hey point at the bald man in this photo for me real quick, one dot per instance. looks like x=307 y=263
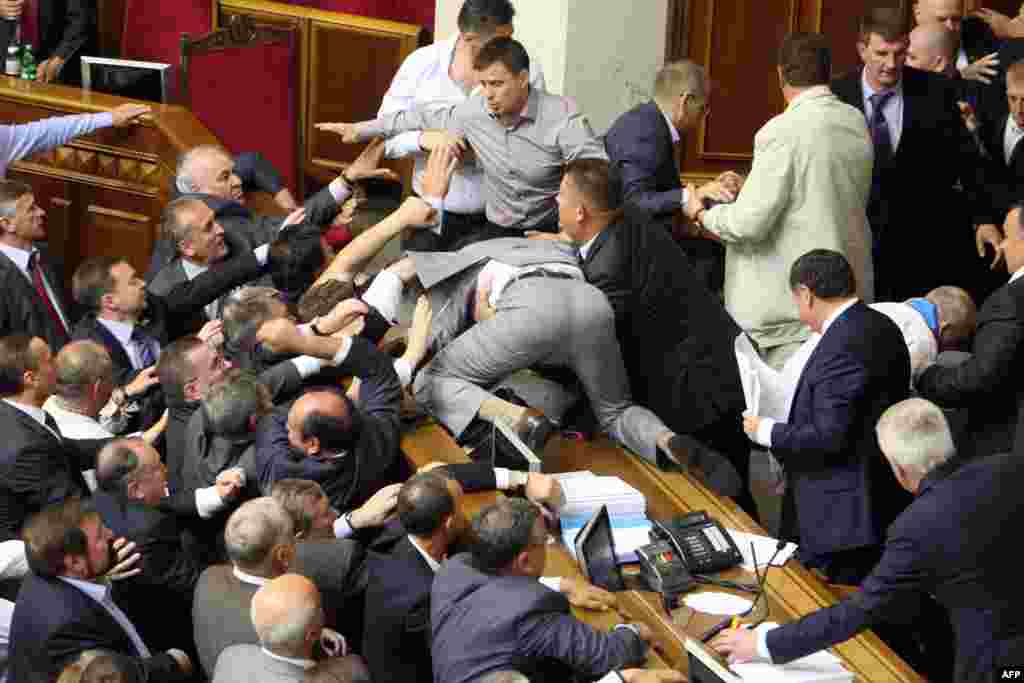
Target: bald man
x=933 y=48
x=976 y=56
x=289 y=620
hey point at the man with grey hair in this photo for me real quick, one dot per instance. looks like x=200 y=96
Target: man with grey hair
x=950 y=542
x=260 y=542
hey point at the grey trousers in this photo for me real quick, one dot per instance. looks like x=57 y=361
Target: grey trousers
x=540 y=321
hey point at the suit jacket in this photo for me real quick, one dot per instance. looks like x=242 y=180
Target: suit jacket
x=482 y=623
x=67 y=29
x=935 y=154
x=37 y=468
x=1005 y=177
x=844 y=493
x=677 y=339
x=338 y=568
x=396 y=639
x=248 y=663
x=220 y=614
x=950 y=542
x=986 y=383
x=806 y=190
x=22 y=310
x=54 y=622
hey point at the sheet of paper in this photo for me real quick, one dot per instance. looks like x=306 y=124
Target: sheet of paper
x=717 y=603
x=764 y=547
x=628 y=531
x=818 y=667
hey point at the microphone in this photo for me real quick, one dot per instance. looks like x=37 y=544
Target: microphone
x=761 y=578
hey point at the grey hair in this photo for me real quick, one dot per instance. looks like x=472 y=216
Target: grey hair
x=914 y=434
x=676 y=78
x=184 y=180
x=254 y=529
x=231 y=401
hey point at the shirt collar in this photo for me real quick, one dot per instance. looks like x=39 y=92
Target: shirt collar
x=38 y=414
x=192 y=270
x=586 y=246
x=1016 y=275
x=100 y=592
x=835 y=315
x=810 y=94
x=249 y=578
x=937 y=474
x=529 y=112
x=431 y=562
x=671 y=127
x=868 y=91
x=301 y=663
x=21 y=256
x=123 y=331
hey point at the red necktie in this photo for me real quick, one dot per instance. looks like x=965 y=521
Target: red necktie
x=34 y=267
x=30 y=24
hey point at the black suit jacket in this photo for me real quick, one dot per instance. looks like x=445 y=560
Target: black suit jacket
x=843 y=491
x=37 y=468
x=67 y=29
x=987 y=383
x=54 y=622
x=338 y=568
x=914 y=202
x=677 y=338
x=950 y=542
x=396 y=639
x=21 y=309
x=1006 y=178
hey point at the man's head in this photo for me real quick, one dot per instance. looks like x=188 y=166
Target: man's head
x=208 y=169
x=287 y=616
x=430 y=507
x=68 y=539
x=481 y=20
x=504 y=69
x=27 y=371
x=193 y=228
x=820 y=280
x=915 y=438
x=585 y=202
x=110 y=286
x=1013 y=242
x=882 y=46
x=321 y=299
x=1015 y=92
x=681 y=91
x=247 y=309
x=235 y=403
x=131 y=468
x=22 y=221
x=260 y=538
x=805 y=61
x=322 y=424
x=958 y=316
x=187 y=368
x=308 y=506
x=300 y=254
x=85 y=376
x=510 y=538
x=946 y=13
x=932 y=48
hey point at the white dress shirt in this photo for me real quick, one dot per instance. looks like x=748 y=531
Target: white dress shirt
x=1011 y=137
x=301 y=663
x=1016 y=276
x=100 y=593
x=123 y=333
x=962 y=61
x=498 y=276
x=422 y=79
x=893 y=110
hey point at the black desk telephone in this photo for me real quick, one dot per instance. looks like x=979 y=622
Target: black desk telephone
x=701 y=542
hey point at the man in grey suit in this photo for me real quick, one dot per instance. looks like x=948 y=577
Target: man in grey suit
x=287 y=615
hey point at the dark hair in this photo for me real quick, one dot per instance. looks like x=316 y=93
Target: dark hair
x=485 y=16
x=423 y=503
x=13 y=190
x=805 y=60
x=321 y=299
x=54 y=533
x=232 y=400
x=298 y=258
x=593 y=178
x=1019 y=205
x=825 y=272
x=117 y=466
x=92 y=280
x=16 y=359
x=888 y=22
x=337 y=433
x=509 y=52
x=503 y=530
x=174 y=368
x=293 y=495
x=245 y=311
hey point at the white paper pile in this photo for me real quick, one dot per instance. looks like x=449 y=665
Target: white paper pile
x=586 y=492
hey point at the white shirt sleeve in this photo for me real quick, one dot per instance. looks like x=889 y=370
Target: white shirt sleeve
x=764 y=432
x=401 y=96
x=762 y=645
x=552 y=582
x=208 y=502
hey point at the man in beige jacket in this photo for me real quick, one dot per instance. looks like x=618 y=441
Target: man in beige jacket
x=808 y=189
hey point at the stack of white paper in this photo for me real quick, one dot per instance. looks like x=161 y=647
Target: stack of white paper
x=818 y=667
x=585 y=493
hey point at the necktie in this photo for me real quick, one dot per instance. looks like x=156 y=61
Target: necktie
x=30 y=24
x=35 y=269
x=879 y=127
x=146 y=346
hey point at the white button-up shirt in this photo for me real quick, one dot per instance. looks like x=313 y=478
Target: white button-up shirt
x=892 y=110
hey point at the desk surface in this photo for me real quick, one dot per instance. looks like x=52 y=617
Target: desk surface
x=790 y=591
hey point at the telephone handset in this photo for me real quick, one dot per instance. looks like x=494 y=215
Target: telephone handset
x=703 y=544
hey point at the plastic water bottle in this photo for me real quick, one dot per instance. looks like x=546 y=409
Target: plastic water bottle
x=28 y=63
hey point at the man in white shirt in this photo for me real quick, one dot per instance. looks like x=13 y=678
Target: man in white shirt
x=442 y=74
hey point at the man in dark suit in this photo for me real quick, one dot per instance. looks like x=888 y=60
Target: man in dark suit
x=642 y=145
x=64 y=606
x=950 y=542
x=986 y=383
x=839 y=496
x=37 y=465
x=490 y=613
x=1001 y=136
x=921 y=148
x=60 y=32
x=677 y=338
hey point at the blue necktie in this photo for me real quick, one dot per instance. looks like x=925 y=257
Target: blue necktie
x=146 y=346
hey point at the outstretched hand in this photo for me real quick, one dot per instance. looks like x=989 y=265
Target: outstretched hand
x=367 y=164
x=349 y=132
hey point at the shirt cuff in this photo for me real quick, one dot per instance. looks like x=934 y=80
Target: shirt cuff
x=552 y=582
x=208 y=502
x=104 y=119
x=385 y=294
x=436 y=203
x=612 y=677
x=403 y=145
x=340 y=190
x=261 y=252
x=404 y=372
x=505 y=479
x=762 y=645
x=684 y=197
x=764 y=432
x=308 y=366
x=342 y=354
x=342 y=529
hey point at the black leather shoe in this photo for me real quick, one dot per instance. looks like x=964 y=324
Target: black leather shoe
x=710 y=467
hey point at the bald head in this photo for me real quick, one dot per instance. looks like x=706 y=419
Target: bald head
x=932 y=48
x=287 y=616
x=84 y=376
x=322 y=422
x=947 y=13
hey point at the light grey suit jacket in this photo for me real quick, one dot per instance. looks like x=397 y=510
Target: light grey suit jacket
x=249 y=664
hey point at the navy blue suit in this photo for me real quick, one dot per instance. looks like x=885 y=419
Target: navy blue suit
x=955 y=541
x=841 y=494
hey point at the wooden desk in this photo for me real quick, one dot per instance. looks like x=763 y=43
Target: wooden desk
x=790 y=591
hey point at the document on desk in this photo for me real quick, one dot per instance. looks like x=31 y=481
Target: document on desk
x=764 y=547
x=586 y=492
x=629 y=532
x=819 y=667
